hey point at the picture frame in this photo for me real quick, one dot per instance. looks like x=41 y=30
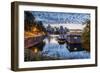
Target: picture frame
x=46 y=20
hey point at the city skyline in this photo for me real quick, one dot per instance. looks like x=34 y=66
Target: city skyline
x=69 y=26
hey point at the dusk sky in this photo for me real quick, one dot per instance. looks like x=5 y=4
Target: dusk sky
x=60 y=17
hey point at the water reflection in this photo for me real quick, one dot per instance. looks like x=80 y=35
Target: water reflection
x=50 y=49
x=53 y=49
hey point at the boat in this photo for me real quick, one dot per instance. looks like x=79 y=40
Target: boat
x=74 y=42
x=61 y=40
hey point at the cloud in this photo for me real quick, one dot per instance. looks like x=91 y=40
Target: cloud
x=60 y=17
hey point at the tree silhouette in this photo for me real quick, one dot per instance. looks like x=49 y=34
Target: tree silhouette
x=30 y=22
x=86 y=36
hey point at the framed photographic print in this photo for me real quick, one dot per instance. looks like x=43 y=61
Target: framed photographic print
x=52 y=36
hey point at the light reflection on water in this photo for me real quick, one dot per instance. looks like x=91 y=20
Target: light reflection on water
x=53 y=49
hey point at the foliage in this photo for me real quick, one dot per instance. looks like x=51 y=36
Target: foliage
x=30 y=22
x=86 y=36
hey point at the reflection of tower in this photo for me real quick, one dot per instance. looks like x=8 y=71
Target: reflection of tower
x=49 y=39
